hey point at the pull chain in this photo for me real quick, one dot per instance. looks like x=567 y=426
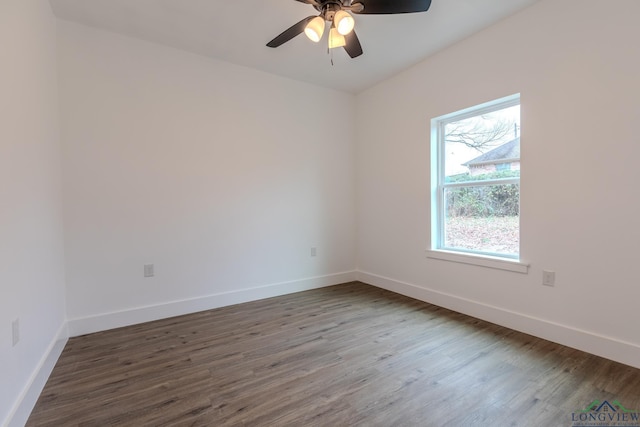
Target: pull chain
x=330 y=53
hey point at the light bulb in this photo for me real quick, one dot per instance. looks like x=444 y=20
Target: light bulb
x=336 y=39
x=344 y=22
x=315 y=29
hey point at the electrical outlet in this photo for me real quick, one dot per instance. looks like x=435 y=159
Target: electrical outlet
x=314 y=251
x=548 y=278
x=15 y=332
x=148 y=270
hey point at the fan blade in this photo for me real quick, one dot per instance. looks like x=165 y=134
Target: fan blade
x=353 y=47
x=290 y=32
x=382 y=7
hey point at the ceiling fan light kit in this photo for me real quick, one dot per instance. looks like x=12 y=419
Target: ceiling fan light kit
x=342 y=22
x=315 y=29
x=336 y=39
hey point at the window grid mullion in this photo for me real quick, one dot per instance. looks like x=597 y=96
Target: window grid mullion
x=500 y=181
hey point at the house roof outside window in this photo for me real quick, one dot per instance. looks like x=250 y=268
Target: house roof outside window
x=507 y=152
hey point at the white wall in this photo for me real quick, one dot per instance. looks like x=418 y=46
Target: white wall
x=576 y=64
x=31 y=242
x=222 y=176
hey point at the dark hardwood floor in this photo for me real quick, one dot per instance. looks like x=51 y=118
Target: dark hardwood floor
x=339 y=356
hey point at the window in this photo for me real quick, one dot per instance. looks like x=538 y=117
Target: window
x=476 y=181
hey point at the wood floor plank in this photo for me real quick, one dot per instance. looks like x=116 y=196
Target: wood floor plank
x=344 y=355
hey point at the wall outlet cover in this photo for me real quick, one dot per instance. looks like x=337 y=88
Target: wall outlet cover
x=148 y=270
x=549 y=278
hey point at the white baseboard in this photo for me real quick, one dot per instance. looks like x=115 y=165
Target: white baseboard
x=31 y=392
x=603 y=346
x=102 y=322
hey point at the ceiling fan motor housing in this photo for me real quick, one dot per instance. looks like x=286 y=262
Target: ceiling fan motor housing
x=329 y=9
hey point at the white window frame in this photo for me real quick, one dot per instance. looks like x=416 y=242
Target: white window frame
x=438 y=186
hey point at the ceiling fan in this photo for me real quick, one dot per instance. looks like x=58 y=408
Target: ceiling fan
x=336 y=12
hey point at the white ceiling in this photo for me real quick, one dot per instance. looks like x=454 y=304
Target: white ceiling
x=237 y=31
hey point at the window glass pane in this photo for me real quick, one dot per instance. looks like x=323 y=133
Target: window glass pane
x=483 y=219
x=483 y=146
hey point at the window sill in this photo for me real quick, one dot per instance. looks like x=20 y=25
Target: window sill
x=480 y=260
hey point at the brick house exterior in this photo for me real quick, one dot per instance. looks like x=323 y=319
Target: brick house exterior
x=503 y=157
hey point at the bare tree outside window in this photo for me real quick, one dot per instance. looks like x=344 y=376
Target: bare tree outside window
x=481 y=132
